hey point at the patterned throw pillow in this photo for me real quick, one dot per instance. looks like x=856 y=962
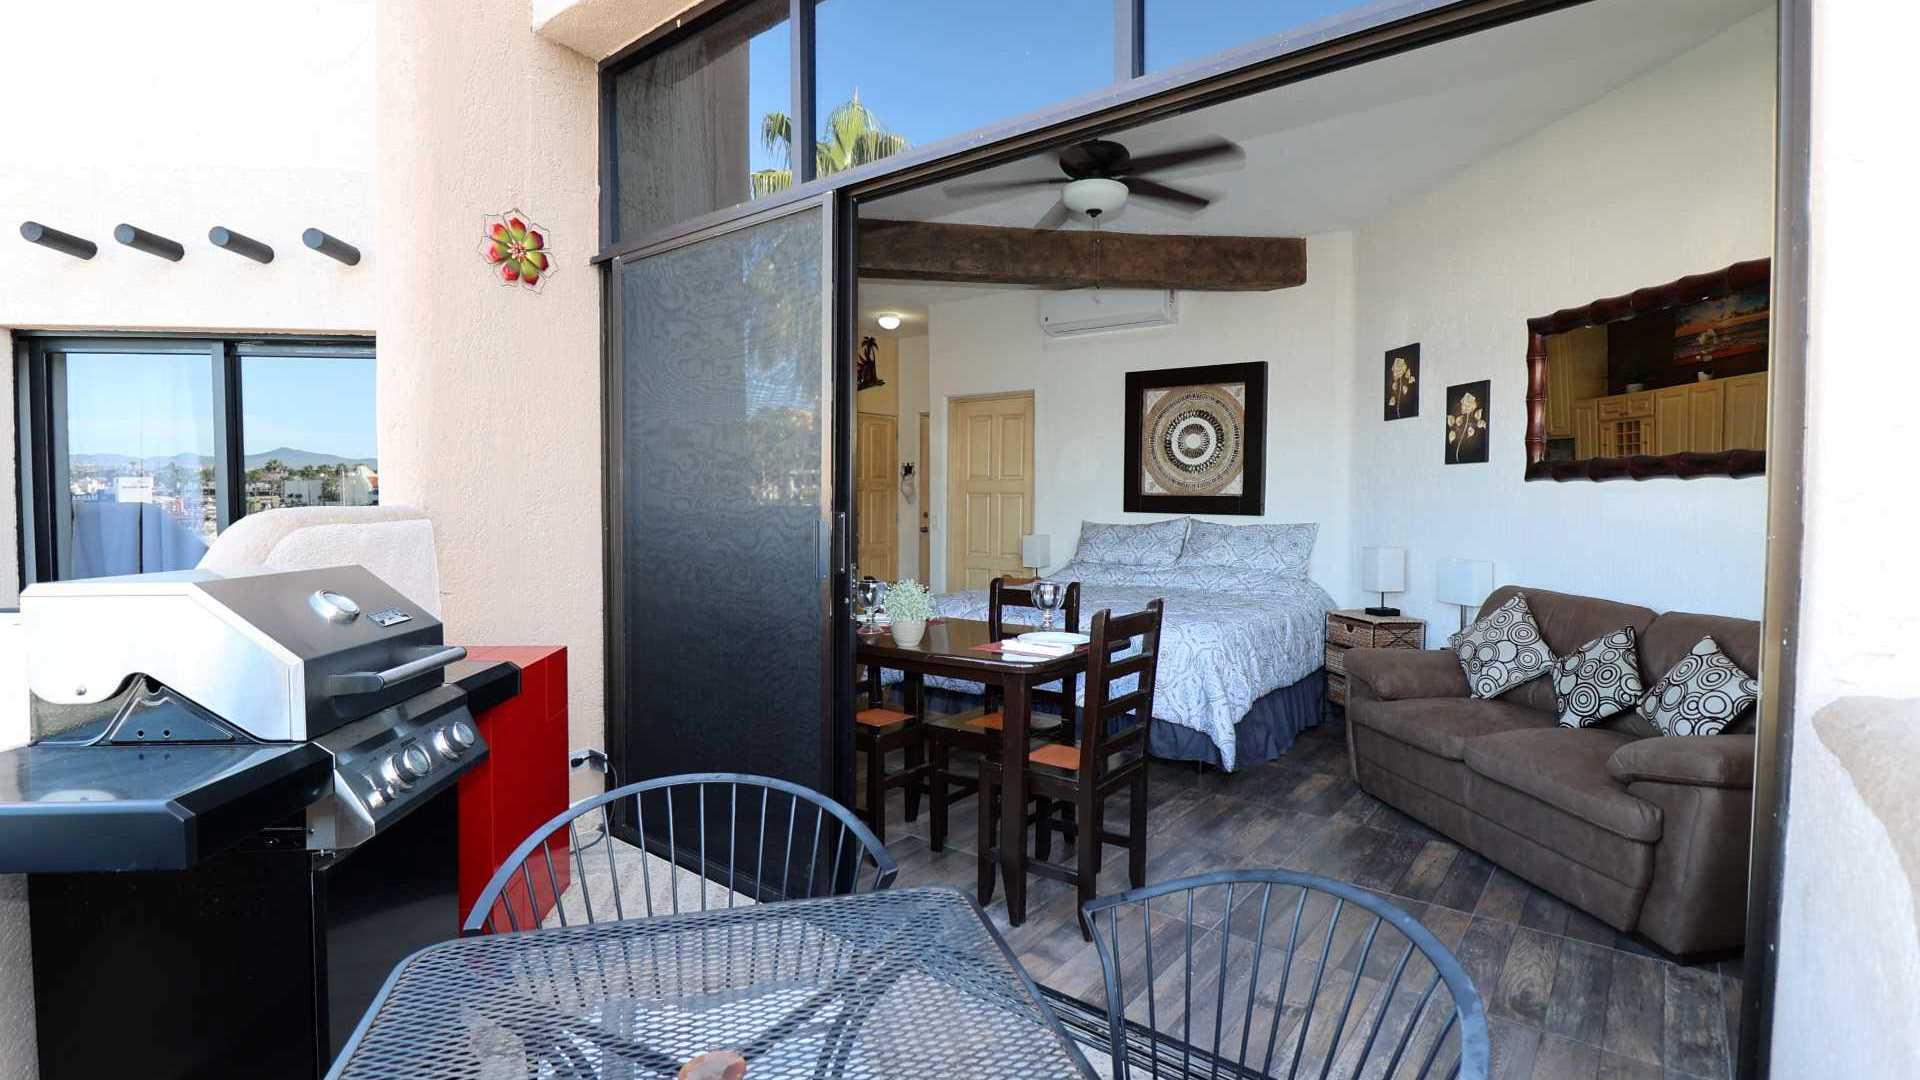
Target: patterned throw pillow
x=1154 y=544
x=1598 y=680
x=1502 y=650
x=1282 y=550
x=1701 y=695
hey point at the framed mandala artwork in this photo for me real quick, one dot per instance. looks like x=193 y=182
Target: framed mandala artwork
x=1197 y=440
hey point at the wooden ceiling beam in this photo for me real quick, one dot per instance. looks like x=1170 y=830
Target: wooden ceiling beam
x=1078 y=258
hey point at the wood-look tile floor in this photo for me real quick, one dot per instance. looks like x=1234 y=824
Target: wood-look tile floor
x=1567 y=997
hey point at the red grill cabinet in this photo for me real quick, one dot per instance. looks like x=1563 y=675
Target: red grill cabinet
x=523 y=781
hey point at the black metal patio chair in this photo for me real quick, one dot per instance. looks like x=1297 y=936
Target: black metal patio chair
x=753 y=836
x=1260 y=973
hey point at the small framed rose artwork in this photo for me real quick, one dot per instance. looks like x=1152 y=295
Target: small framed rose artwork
x=1403 y=382
x=1467 y=436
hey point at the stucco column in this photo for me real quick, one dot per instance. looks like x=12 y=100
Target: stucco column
x=489 y=394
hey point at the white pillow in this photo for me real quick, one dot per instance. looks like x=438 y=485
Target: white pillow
x=1280 y=549
x=1156 y=543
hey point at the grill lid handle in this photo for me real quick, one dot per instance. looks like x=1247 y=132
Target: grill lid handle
x=372 y=682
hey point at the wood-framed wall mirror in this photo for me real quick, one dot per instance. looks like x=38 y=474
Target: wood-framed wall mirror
x=1667 y=381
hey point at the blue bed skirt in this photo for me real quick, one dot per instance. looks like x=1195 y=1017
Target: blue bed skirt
x=1265 y=734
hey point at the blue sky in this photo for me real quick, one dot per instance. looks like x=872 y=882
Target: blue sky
x=160 y=405
x=928 y=74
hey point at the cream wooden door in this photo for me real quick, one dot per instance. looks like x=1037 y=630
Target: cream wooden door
x=989 y=487
x=1670 y=420
x=1706 y=416
x=1747 y=412
x=876 y=486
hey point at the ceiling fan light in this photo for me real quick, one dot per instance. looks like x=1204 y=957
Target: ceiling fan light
x=1095 y=196
x=888 y=321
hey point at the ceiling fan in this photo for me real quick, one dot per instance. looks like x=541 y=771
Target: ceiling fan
x=1100 y=174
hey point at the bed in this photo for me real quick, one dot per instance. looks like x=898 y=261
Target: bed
x=1242 y=645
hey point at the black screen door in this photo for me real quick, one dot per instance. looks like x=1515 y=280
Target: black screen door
x=726 y=452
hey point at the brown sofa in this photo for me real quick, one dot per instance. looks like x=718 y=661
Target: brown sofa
x=1648 y=833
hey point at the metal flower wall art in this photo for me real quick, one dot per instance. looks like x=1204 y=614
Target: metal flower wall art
x=517 y=250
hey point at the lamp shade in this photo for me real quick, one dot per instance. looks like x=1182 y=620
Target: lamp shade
x=1383 y=569
x=1036 y=550
x=1465 y=582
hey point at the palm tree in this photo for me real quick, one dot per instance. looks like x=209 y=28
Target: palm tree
x=854 y=137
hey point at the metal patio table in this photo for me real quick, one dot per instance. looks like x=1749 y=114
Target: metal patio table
x=902 y=983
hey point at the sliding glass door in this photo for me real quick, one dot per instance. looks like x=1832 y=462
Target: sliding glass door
x=726 y=504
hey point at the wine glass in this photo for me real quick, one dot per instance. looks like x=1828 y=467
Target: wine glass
x=869 y=592
x=1047 y=596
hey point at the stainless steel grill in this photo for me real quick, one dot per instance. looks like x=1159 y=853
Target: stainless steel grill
x=329 y=666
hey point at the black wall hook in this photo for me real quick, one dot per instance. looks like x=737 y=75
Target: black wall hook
x=153 y=244
x=223 y=237
x=331 y=247
x=35 y=233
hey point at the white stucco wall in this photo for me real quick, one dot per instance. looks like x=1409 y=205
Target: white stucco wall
x=1668 y=175
x=1849 y=983
x=490 y=395
x=993 y=343
x=175 y=118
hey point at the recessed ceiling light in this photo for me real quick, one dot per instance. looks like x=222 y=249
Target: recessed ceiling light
x=889 y=321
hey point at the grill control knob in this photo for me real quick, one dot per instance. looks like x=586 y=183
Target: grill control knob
x=415 y=762
x=455 y=739
x=390 y=772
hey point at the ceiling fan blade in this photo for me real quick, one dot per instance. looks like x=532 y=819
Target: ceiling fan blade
x=979 y=187
x=1210 y=149
x=1149 y=189
x=1055 y=216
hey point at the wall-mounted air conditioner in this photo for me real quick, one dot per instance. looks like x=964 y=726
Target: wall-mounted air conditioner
x=1093 y=311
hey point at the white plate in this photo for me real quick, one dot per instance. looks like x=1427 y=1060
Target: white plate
x=1054 y=637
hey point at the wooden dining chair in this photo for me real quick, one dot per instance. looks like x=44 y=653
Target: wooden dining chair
x=877 y=732
x=978 y=731
x=1111 y=755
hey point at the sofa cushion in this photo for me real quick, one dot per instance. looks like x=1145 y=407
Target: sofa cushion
x=1443 y=726
x=1566 y=770
x=1726 y=762
x=1599 y=680
x=1566 y=621
x=1398 y=674
x=1502 y=649
x=1702 y=693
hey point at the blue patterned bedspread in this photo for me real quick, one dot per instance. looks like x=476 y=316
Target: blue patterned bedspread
x=1220 y=648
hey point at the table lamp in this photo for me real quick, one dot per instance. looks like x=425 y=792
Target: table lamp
x=1383 y=570
x=1036 y=551
x=1465 y=582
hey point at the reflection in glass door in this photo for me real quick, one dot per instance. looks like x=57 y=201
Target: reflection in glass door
x=139 y=462
x=724 y=495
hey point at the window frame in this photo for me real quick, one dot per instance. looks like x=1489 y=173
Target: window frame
x=44 y=542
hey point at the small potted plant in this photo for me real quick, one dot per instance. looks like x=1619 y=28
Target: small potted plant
x=909 y=605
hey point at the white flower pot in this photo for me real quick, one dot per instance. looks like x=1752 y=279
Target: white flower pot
x=908 y=632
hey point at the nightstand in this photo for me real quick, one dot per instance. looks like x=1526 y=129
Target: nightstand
x=1352 y=628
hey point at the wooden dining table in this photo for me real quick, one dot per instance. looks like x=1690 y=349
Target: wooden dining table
x=952 y=648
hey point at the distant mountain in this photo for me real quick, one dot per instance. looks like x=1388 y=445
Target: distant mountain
x=300 y=459
x=149 y=464
x=286 y=455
